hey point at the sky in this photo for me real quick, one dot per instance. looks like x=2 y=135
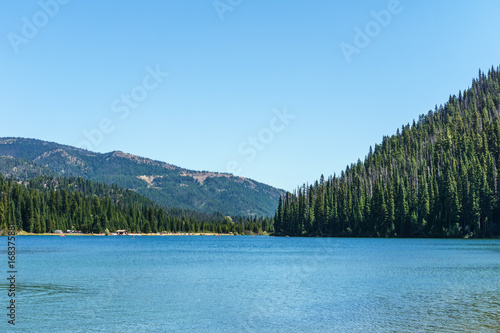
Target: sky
x=277 y=91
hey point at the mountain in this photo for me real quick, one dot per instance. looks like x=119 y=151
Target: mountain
x=166 y=184
x=435 y=178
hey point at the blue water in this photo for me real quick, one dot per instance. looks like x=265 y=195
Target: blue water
x=253 y=284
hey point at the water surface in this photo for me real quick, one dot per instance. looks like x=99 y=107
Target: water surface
x=254 y=284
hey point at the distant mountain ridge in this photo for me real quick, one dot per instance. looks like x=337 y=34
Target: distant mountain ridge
x=164 y=183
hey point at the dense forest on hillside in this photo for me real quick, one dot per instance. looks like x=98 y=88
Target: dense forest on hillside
x=435 y=178
x=45 y=204
x=24 y=169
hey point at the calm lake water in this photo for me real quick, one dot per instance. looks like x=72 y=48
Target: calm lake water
x=253 y=284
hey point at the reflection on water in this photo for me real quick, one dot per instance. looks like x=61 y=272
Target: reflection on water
x=253 y=284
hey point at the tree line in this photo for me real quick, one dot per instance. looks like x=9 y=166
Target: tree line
x=435 y=178
x=46 y=203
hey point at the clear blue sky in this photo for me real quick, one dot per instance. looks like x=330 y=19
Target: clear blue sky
x=227 y=76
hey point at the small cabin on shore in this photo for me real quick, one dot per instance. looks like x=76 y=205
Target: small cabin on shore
x=121 y=232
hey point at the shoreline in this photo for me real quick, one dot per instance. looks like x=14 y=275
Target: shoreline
x=23 y=233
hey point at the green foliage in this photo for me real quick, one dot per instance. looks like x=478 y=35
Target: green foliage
x=435 y=178
x=45 y=204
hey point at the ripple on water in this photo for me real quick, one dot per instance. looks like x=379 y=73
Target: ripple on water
x=41 y=290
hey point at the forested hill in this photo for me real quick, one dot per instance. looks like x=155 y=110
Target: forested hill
x=45 y=204
x=166 y=184
x=435 y=178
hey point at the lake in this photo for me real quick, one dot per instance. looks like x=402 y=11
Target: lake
x=252 y=284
